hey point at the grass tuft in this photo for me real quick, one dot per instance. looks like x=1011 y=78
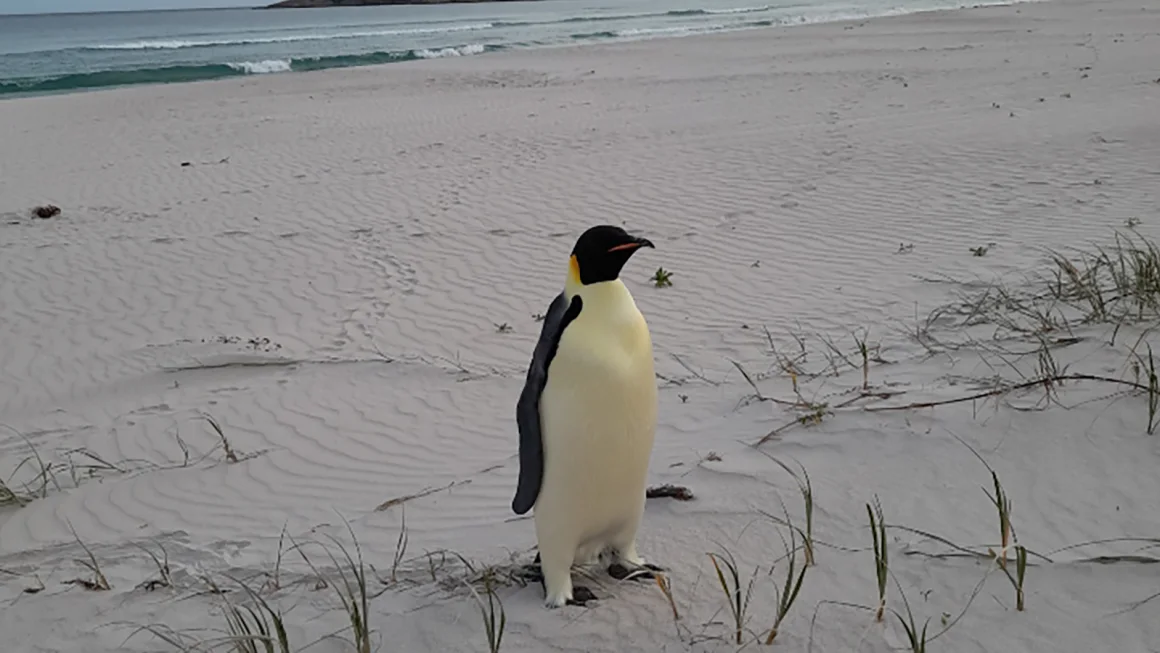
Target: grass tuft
x=737 y=599
x=788 y=592
x=494 y=617
x=352 y=591
x=164 y=579
x=98 y=582
x=257 y=629
x=915 y=636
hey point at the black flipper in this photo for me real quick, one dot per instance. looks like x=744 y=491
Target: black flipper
x=560 y=314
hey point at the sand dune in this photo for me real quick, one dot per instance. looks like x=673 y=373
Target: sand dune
x=345 y=278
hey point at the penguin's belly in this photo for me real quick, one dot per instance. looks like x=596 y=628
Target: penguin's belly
x=598 y=413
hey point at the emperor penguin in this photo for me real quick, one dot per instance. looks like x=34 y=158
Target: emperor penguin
x=587 y=418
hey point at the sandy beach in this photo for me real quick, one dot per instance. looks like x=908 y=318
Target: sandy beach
x=342 y=272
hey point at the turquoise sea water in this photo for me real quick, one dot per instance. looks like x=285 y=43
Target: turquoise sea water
x=63 y=52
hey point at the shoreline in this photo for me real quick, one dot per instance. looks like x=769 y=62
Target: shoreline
x=244 y=70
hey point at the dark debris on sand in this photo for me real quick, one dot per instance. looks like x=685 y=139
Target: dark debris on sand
x=678 y=492
x=47 y=211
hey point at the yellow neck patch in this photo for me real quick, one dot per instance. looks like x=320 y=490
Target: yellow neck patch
x=572 y=284
x=574 y=270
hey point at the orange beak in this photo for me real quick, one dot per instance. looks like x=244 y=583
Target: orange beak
x=640 y=242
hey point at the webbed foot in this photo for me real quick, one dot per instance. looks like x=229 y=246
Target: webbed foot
x=620 y=571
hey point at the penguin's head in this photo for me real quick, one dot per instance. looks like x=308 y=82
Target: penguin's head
x=601 y=252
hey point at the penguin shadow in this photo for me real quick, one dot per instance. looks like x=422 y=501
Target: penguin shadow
x=581 y=595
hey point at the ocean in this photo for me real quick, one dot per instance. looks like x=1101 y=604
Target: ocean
x=52 y=53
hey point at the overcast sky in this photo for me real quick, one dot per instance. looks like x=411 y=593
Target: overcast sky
x=47 y=6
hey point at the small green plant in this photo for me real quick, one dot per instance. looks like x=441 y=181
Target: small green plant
x=881 y=560
x=662 y=278
x=494 y=617
x=981 y=250
x=1003 y=505
x=815 y=414
x=915 y=636
x=731 y=586
x=1007 y=536
x=503 y=328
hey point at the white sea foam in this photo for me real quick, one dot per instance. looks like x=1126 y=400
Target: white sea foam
x=460 y=51
x=740 y=10
x=177 y=44
x=261 y=67
x=646 y=32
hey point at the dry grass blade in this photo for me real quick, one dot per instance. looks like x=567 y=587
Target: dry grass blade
x=231 y=455
x=274 y=581
x=666 y=587
x=391 y=503
x=400 y=547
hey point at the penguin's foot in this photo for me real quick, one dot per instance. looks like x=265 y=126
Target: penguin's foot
x=581 y=596
x=532 y=573
x=620 y=571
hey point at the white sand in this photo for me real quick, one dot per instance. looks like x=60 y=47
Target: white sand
x=410 y=209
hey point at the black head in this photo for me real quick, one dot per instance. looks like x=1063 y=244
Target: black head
x=602 y=251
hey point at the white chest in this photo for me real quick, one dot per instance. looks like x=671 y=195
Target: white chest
x=601 y=395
